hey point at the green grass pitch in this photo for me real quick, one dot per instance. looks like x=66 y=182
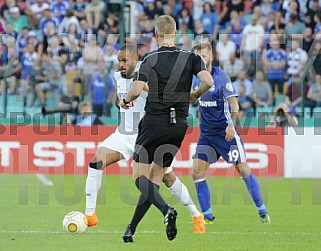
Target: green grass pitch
x=31 y=216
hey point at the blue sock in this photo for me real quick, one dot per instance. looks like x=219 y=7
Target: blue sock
x=203 y=195
x=254 y=189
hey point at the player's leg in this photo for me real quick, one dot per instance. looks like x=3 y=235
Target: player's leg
x=200 y=167
x=179 y=190
x=233 y=152
x=103 y=157
x=149 y=195
x=254 y=190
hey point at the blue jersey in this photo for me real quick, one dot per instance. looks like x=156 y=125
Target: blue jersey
x=214 y=107
x=276 y=57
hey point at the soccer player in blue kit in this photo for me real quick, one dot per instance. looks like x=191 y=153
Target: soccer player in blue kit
x=219 y=138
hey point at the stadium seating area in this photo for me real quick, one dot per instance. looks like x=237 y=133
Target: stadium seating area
x=266 y=46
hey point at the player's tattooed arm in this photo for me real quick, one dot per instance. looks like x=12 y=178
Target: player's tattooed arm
x=230 y=129
x=234 y=108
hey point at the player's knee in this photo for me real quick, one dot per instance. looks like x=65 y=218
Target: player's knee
x=99 y=165
x=243 y=169
x=198 y=174
x=169 y=179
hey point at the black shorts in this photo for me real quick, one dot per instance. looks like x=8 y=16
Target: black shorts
x=158 y=142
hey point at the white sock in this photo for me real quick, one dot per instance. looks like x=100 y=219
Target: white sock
x=181 y=193
x=93 y=184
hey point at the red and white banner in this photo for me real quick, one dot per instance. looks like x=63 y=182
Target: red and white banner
x=68 y=150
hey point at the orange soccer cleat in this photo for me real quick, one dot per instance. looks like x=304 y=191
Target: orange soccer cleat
x=199 y=226
x=92 y=220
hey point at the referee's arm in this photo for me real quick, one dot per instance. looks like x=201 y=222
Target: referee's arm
x=206 y=83
x=135 y=90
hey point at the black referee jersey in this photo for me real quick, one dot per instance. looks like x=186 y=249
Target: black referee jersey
x=168 y=72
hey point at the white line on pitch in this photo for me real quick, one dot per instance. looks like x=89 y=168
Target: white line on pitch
x=46 y=181
x=158 y=232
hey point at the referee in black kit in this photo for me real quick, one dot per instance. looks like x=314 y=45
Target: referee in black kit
x=167 y=75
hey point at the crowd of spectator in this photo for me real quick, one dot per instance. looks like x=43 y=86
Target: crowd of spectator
x=264 y=46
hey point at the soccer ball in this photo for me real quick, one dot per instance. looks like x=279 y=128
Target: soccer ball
x=74 y=223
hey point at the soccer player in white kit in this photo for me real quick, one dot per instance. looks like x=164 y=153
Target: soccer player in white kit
x=120 y=145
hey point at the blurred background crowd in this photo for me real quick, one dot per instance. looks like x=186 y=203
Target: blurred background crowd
x=57 y=53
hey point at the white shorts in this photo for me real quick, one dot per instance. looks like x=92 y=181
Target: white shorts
x=122 y=143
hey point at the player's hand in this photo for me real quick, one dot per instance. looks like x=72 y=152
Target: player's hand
x=192 y=98
x=230 y=132
x=123 y=105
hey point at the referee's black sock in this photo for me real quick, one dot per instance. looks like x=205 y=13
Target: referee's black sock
x=141 y=209
x=150 y=191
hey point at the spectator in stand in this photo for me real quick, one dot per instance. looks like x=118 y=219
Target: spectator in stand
x=279 y=24
x=293 y=29
x=101 y=91
x=184 y=35
x=46 y=19
x=10 y=68
x=176 y=6
x=266 y=8
x=27 y=61
x=69 y=101
x=296 y=60
x=262 y=92
x=234 y=20
x=224 y=48
x=209 y=20
x=10 y=33
x=35 y=12
x=314 y=93
x=58 y=9
x=86 y=32
x=6 y=7
x=79 y=8
x=237 y=5
x=69 y=19
x=257 y=12
x=52 y=75
x=317 y=27
x=245 y=102
x=94 y=14
x=18 y=21
x=243 y=80
x=86 y=116
x=274 y=61
x=92 y=54
x=185 y=17
x=233 y=67
x=309 y=19
x=199 y=32
x=150 y=9
x=36 y=76
x=307 y=39
x=49 y=32
x=292 y=9
x=236 y=35
x=159 y=8
x=252 y=44
x=293 y=96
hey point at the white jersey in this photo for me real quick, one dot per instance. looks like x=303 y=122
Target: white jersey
x=129 y=119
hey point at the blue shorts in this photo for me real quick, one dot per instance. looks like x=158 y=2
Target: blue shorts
x=211 y=147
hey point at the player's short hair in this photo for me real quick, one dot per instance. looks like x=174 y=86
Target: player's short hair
x=165 y=25
x=131 y=48
x=201 y=46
